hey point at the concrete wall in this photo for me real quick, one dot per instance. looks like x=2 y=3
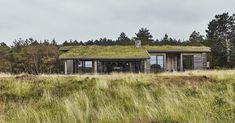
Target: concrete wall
x=68 y=64
x=147 y=66
x=171 y=62
x=198 y=62
x=204 y=60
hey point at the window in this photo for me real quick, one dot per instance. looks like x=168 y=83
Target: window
x=88 y=64
x=85 y=67
x=157 y=63
x=160 y=61
x=188 y=62
x=153 y=60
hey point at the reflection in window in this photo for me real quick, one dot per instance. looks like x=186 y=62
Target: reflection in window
x=85 y=67
x=88 y=64
x=157 y=63
x=188 y=62
x=153 y=60
x=160 y=61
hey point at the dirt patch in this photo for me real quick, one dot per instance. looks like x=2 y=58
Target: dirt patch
x=182 y=80
x=25 y=77
x=29 y=78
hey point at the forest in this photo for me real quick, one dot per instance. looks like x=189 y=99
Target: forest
x=42 y=57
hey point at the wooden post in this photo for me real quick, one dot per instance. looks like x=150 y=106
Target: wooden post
x=131 y=70
x=65 y=68
x=176 y=63
x=145 y=66
x=181 y=62
x=95 y=66
x=164 y=62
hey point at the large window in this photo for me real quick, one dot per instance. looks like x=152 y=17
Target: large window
x=88 y=66
x=153 y=60
x=188 y=62
x=160 y=61
x=157 y=63
x=85 y=67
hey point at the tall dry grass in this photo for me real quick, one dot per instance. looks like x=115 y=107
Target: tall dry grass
x=193 y=96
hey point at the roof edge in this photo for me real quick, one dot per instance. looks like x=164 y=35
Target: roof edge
x=176 y=51
x=100 y=58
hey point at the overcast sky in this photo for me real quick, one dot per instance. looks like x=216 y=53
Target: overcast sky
x=93 y=19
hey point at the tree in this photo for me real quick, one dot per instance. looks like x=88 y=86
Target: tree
x=90 y=42
x=53 y=42
x=196 y=39
x=75 y=42
x=165 y=39
x=123 y=39
x=5 y=65
x=66 y=43
x=37 y=59
x=220 y=37
x=3 y=44
x=168 y=41
x=145 y=37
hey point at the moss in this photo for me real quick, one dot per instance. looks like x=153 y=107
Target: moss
x=177 y=48
x=105 y=52
x=121 y=51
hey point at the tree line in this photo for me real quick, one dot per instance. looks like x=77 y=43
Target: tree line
x=195 y=39
x=36 y=57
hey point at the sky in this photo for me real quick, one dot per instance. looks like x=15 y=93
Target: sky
x=93 y=19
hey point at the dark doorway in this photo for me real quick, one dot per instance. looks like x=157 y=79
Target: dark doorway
x=119 y=66
x=188 y=62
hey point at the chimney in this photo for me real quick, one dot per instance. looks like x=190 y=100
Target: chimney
x=138 y=43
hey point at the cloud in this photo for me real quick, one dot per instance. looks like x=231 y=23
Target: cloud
x=92 y=19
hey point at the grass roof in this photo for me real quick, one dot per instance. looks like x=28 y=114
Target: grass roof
x=178 y=48
x=123 y=52
x=105 y=52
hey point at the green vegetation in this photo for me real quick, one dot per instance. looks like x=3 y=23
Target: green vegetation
x=197 y=96
x=122 y=51
x=105 y=52
x=178 y=48
x=4 y=56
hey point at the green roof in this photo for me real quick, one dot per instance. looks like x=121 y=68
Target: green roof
x=123 y=52
x=105 y=52
x=167 y=48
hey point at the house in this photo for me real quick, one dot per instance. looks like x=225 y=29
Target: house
x=107 y=59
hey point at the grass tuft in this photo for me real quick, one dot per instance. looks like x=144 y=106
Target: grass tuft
x=194 y=96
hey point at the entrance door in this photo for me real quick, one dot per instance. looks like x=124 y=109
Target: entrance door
x=188 y=62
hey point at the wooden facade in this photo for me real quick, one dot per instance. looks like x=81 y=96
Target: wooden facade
x=170 y=61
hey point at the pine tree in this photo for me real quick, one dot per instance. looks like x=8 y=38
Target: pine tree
x=220 y=34
x=123 y=39
x=196 y=39
x=145 y=37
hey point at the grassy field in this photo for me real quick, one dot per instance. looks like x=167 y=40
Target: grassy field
x=196 y=96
